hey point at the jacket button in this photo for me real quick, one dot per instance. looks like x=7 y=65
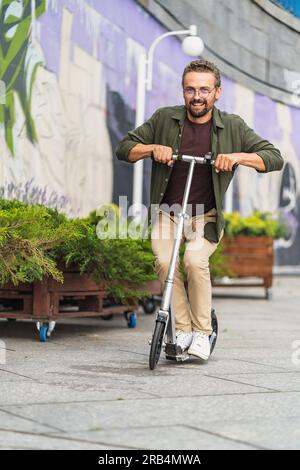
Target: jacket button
x=166 y=179
x=161 y=194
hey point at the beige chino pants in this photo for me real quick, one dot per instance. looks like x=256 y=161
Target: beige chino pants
x=192 y=308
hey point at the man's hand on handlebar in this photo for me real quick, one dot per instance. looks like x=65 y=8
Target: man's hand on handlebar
x=226 y=161
x=163 y=154
x=223 y=162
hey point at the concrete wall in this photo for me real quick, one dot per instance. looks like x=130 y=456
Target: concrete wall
x=254 y=42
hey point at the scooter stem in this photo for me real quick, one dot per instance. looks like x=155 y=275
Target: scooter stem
x=166 y=300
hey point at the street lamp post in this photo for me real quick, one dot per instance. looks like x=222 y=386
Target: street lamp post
x=192 y=45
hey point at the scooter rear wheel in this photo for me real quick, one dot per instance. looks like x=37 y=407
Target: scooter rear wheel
x=214 y=325
x=156 y=344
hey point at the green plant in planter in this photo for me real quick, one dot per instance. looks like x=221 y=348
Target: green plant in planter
x=257 y=224
x=35 y=240
x=27 y=234
x=217 y=262
x=122 y=266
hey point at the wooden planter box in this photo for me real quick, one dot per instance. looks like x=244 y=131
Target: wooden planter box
x=42 y=300
x=49 y=300
x=78 y=296
x=249 y=257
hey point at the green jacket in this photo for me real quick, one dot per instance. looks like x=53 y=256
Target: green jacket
x=230 y=134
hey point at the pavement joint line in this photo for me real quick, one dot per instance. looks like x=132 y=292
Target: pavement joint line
x=122 y=428
x=19 y=375
x=134 y=352
x=260 y=364
x=69 y=439
x=18 y=448
x=111 y=375
x=244 y=383
x=145 y=398
x=41 y=382
x=195 y=428
x=215 y=434
x=7 y=349
x=195 y=368
x=31 y=420
x=161 y=426
x=261 y=373
x=246 y=348
x=151 y=394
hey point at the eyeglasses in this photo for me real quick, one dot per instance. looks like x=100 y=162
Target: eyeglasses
x=203 y=91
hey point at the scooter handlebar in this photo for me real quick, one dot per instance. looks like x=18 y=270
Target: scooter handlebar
x=206 y=159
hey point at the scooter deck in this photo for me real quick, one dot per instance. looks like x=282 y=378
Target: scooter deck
x=174 y=353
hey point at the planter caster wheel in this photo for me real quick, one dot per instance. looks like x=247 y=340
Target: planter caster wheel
x=148 y=305
x=43 y=333
x=268 y=293
x=107 y=317
x=45 y=330
x=131 y=319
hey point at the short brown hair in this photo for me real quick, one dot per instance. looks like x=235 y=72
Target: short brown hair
x=203 y=66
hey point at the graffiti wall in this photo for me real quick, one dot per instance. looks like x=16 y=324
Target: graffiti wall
x=69 y=70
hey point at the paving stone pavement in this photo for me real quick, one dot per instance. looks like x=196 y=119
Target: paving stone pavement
x=90 y=387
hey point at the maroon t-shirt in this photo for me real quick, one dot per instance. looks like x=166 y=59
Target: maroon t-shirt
x=196 y=141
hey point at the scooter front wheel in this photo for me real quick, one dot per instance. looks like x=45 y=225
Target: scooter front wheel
x=214 y=336
x=156 y=344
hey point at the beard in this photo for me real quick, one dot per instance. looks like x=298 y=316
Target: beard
x=195 y=112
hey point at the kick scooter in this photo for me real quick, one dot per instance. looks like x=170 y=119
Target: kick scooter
x=165 y=324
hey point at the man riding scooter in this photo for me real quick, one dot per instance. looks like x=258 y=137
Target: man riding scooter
x=195 y=128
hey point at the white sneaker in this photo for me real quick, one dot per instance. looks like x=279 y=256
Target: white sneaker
x=184 y=339
x=200 y=346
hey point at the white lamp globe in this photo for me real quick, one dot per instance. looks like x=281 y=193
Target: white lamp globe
x=192 y=45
